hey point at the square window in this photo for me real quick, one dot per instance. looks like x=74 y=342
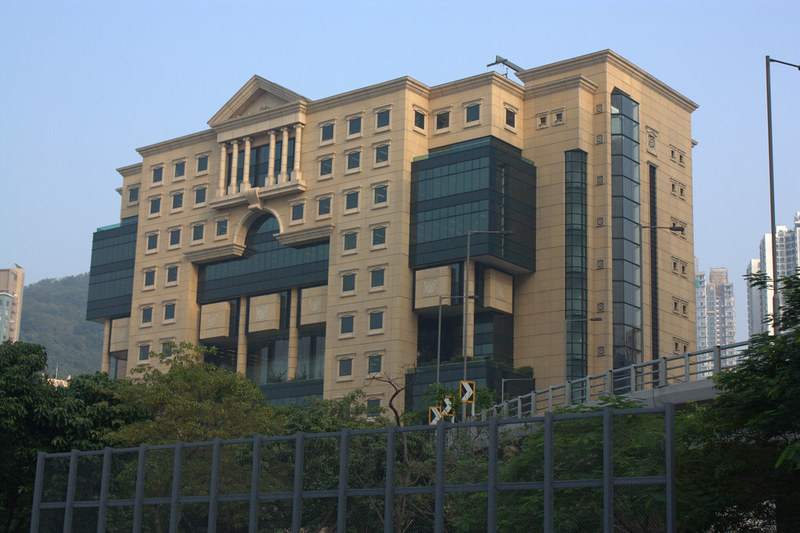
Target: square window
x=348 y=282
x=174 y=237
x=197 y=232
x=144 y=352
x=133 y=195
x=379 y=236
x=350 y=241
x=172 y=274
x=473 y=113
x=155 y=206
x=558 y=117
x=542 y=121
x=376 y=320
x=353 y=160
x=327 y=132
x=152 y=241
x=222 y=227
x=345 y=367
x=443 y=120
x=419 y=120
x=373 y=408
x=354 y=126
x=382 y=119
x=376 y=277
x=202 y=164
x=297 y=212
x=374 y=363
x=346 y=324
x=511 y=118
x=380 y=195
x=166 y=348
x=149 y=278
x=382 y=154
x=169 y=312
x=200 y=196
x=324 y=206
x=351 y=200
x=180 y=169
x=177 y=200
x=326 y=166
x=158 y=174
x=147 y=315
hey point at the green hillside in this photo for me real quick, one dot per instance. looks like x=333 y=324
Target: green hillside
x=54 y=315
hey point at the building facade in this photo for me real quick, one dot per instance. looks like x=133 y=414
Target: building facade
x=12 y=284
x=715 y=309
x=759 y=301
x=315 y=244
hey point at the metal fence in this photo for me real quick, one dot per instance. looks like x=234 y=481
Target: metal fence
x=663 y=372
x=606 y=470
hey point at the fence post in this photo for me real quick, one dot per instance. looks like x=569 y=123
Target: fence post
x=388 y=493
x=669 y=435
x=610 y=383
x=687 y=369
x=177 y=473
x=491 y=478
x=37 y=491
x=567 y=392
x=439 y=489
x=717 y=360
x=255 y=484
x=341 y=504
x=216 y=451
x=608 y=470
x=519 y=407
x=105 y=474
x=587 y=390
x=297 y=487
x=632 y=379
x=662 y=372
x=548 y=472
x=137 y=504
x=71 y=480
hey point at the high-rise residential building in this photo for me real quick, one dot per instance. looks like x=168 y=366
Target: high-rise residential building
x=12 y=283
x=313 y=243
x=715 y=311
x=787 y=254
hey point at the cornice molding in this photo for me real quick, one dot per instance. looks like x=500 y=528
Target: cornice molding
x=487 y=78
x=579 y=81
x=130 y=170
x=302 y=237
x=216 y=253
x=400 y=84
x=612 y=58
x=180 y=142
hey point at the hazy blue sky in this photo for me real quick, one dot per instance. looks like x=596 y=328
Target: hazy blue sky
x=84 y=83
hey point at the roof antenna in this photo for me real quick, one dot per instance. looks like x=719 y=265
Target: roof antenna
x=503 y=61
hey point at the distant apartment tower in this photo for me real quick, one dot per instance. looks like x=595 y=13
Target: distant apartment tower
x=759 y=301
x=12 y=281
x=716 y=317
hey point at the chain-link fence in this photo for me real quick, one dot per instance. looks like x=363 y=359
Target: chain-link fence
x=611 y=470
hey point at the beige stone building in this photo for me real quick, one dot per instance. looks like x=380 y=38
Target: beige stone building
x=12 y=284
x=315 y=243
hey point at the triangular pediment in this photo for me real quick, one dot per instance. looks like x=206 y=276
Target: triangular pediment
x=256 y=96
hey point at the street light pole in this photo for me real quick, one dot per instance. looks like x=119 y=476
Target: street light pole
x=465 y=321
x=776 y=311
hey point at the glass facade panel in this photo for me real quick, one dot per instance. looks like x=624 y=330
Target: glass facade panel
x=479 y=185
x=311 y=352
x=576 y=272
x=626 y=230
x=272 y=266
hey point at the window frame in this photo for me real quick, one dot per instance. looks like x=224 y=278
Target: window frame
x=378 y=112
x=328 y=199
x=202 y=229
x=371 y=367
x=221 y=223
x=327 y=158
x=352 y=120
x=344 y=370
x=420 y=115
x=157 y=175
x=468 y=107
x=378 y=232
x=154 y=206
x=169 y=269
x=345 y=241
x=348 y=194
x=204 y=201
x=149 y=275
x=352 y=278
x=322 y=130
x=199 y=170
x=372 y=272
x=170 y=233
x=295 y=209
x=180 y=164
x=385 y=201
x=349 y=160
x=146 y=315
x=151 y=242
x=347 y=325
x=378 y=149
x=144 y=352
x=381 y=316
x=131 y=190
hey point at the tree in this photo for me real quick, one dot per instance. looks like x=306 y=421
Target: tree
x=745 y=446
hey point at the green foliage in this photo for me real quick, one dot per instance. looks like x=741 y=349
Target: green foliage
x=54 y=315
x=191 y=401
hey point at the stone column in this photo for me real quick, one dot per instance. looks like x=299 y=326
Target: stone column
x=284 y=154
x=246 y=179
x=241 y=346
x=235 y=165
x=105 y=360
x=298 y=132
x=294 y=336
x=223 y=158
x=271 y=162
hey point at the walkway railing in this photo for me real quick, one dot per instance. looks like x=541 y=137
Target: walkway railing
x=663 y=372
